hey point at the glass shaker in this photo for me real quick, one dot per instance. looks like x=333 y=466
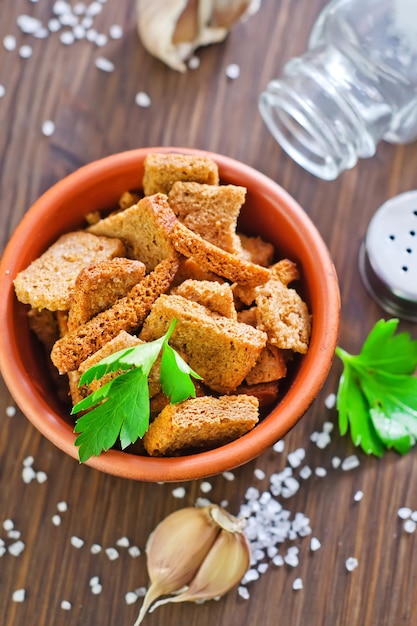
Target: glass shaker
x=355 y=85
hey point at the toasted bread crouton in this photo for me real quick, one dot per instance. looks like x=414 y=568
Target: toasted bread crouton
x=127 y=314
x=286 y=271
x=247 y=316
x=284 y=316
x=256 y=250
x=190 y=269
x=214 y=259
x=77 y=392
x=48 y=282
x=161 y=171
x=219 y=349
x=128 y=199
x=217 y=297
x=271 y=365
x=197 y=423
x=144 y=228
x=210 y=211
x=45 y=326
x=99 y=286
x=265 y=393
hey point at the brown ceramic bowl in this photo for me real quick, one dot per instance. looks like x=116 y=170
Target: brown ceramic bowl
x=269 y=212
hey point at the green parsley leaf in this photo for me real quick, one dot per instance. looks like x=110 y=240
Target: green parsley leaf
x=120 y=408
x=377 y=393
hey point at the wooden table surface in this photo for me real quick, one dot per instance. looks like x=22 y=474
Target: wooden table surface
x=95 y=115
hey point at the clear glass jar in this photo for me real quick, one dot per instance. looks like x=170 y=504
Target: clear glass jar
x=355 y=85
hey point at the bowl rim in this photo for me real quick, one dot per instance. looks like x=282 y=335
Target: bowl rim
x=202 y=464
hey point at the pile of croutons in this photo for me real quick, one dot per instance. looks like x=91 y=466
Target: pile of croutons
x=173 y=252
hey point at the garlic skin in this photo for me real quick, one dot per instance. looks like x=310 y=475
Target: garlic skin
x=172 y=29
x=195 y=554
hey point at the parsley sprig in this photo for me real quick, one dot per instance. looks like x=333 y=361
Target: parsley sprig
x=121 y=408
x=377 y=393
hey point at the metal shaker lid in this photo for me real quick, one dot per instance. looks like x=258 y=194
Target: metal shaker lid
x=388 y=256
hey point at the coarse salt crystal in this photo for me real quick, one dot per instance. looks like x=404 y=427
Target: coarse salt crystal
x=278 y=560
x=104 y=64
x=19 y=595
x=297 y=584
x=16 y=548
x=41 y=477
x=330 y=401
x=42 y=33
x=100 y=40
x=56 y=520
x=291 y=559
x=8 y=524
x=9 y=43
x=336 y=461
x=79 y=8
x=140 y=592
x=96 y=589
x=320 y=472
x=179 y=492
x=323 y=440
x=68 y=19
x=78 y=31
x=130 y=597
x=67 y=37
x=14 y=534
x=404 y=512
x=95 y=548
x=243 y=592
x=351 y=564
x=313 y=436
x=54 y=25
x=112 y=553
x=262 y=568
x=193 y=63
x=413 y=516
x=93 y=9
x=28 y=474
x=250 y=576
x=66 y=605
x=305 y=472
x=259 y=473
x=28 y=461
x=295 y=458
x=350 y=462
x=25 y=51
x=358 y=496
x=233 y=71
x=28 y=24
x=62 y=507
x=410 y=526
x=10 y=410
x=116 y=31
x=314 y=544
x=143 y=100
x=94 y=580
x=77 y=542
x=279 y=446
x=60 y=7
x=123 y=542
x=228 y=476
x=91 y=35
x=134 y=551
x=328 y=427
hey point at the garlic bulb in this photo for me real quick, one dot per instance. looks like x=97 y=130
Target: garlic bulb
x=172 y=29
x=194 y=554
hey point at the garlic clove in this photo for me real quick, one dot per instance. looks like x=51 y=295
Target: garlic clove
x=175 y=551
x=172 y=29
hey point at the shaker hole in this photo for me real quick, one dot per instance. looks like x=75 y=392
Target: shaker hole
x=392 y=237
x=409 y=250
x=412 y=233
x=404 y=268
x=415 y=212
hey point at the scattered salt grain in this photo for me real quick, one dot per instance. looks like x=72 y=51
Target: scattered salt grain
x=413 y=516
x=321 y=472
x=410 y=526
x=291 y=560
x=48 y=128
x=250 y=576
x=194 y=63
x=134 y=551
x=79 y=8
x=140 y=592
x=100 y=40
x=330 y=401
x=28 y=474
x=262 y=568
x=28 y=461
x=56 y=520
x=336 y=462
x=41 y=477
x=8 y=525
x=95 y=548
x=278 y=560
x=77 y=542
x=404 y=512
x=68 y=19
x=60 y=7
x=259 y=473
x=16 y=548
x=314 y=544
x=290 y=488
x=93 y=9
x=243 y=592
x=66 y=605
x=123 y=542
x=94 y=580
x=224 y=504
x=62 y=507
x=297 y=457
x=351 y=563
x=313 y=437
x=279 y=446
x=206 y=487
x=328 y=427
x=143 y=100
x=96 y=589
x=25 y=51
x=14 y=534
x=28 y=24
x=350 y=462
x=91 y=35
x=305 y=472
x=78 y=31
x=130 y=597
x=19 y=595
x=9 y=43
x=103 y=64
x=228 y=476
x=54 y=25
x=116 y=31
x=358 y=496
x=112 y=553
x=179 y=492
x=323 y=440
x=202 y=502
x=42 y=33
x=10 y=410
x=233 y=71
x=297 y=584
x=67 y=37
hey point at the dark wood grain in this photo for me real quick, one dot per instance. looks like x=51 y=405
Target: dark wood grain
x=96 y=115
